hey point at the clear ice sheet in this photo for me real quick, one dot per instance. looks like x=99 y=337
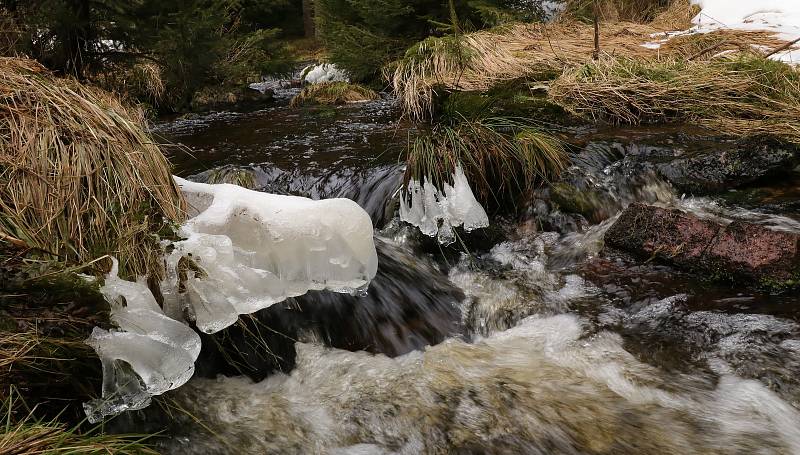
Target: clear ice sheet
x=436 y=212
x=149 y=354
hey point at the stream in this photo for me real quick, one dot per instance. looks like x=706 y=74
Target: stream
x=536 y=341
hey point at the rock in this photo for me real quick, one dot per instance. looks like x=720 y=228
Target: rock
x=667 y=234
x=715 y=171
x=227 y=98
x=595 y=206
x=740 y=250
x=410 y=304
x=752 y=250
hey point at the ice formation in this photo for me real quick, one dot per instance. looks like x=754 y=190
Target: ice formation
x=242 y=251
x=323 y=72
x=436 y=213
x=149 y=355
x=250 y=250
x=779 y=16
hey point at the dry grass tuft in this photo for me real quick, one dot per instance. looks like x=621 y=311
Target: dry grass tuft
x=79 y=177
x=743 y=96
x=500 y=157
x=677 y=16
x=704 y=46
x=478 y=61
x=615 y=10
x=32 y=435
x=143 y=81
x=333 y=93
x=481 y=60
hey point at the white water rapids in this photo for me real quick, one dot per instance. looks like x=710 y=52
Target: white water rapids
x=550 y=345
x=558 y=382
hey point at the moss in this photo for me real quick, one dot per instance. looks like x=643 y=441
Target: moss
x=520 y=98
x=777 y=286
x=243 y=177
x=571 y=199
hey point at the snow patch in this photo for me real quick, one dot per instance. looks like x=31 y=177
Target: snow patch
x=779 y=16
x=436 y=213
x=323 y=72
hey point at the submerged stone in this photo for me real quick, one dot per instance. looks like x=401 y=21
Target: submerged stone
x=409 y=305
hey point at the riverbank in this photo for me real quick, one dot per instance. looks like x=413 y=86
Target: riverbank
x=569 y=318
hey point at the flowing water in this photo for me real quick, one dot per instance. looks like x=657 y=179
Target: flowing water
x=541 y=342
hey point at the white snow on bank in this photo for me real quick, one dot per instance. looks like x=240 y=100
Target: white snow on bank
x=779 y=16
x=243 y=251
x=323 y=72
x=436 y=212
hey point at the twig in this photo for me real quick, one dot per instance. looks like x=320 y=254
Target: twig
x=707 y=50
x=785 y=46
x=68 y=270
x=596 y=53
x=14 y=241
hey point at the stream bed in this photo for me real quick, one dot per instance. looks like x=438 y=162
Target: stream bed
x=536 y=340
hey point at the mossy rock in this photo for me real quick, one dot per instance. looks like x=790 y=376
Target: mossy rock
x=333 y=93
x=229 y=98
x=593 y=206
x=522 y=98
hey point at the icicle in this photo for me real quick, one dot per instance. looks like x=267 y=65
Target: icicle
x=436 y=212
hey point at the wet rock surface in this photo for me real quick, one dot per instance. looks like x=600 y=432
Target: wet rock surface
x=231 y=99
x=409 y=305
x=725 y=168
x=740 y=250
x=751 y=250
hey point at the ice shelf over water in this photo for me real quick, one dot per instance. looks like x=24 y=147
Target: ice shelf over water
x=242 y=251
x=149 y=355
x=436 y=213
x=255 y=249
